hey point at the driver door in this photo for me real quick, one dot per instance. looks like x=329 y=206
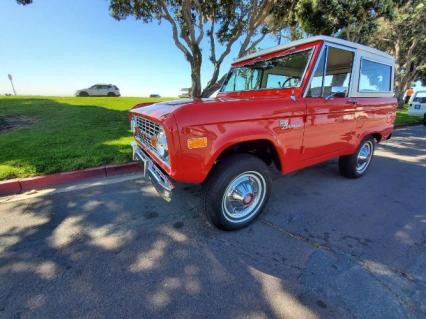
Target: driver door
x=330 y=112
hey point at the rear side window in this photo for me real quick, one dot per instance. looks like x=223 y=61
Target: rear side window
x=374 y=77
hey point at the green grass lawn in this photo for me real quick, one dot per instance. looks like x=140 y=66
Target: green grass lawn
x=402 y=117
x=66 y=133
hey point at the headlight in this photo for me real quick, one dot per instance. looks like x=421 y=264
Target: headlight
x=133 y=124
x=161 y=146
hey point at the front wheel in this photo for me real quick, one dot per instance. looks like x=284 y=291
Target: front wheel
x=236 y=191
x=356 y=165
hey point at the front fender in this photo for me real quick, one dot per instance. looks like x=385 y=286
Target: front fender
x=195 y=164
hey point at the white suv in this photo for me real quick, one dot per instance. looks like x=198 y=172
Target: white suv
x=418 y=105
x=99 y=90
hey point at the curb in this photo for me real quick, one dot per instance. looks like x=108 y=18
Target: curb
x=19 y=185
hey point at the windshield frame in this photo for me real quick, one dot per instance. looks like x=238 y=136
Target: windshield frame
x=311 y=48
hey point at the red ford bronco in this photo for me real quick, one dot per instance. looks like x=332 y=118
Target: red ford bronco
x=283 y=108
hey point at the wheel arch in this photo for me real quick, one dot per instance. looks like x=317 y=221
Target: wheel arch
x=263 y=148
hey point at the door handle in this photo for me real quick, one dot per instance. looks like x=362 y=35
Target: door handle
x=353 y=102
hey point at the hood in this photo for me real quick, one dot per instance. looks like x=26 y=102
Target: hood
x=215 y=110
x=161 y=110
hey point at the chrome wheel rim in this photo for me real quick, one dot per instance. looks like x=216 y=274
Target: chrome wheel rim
x=243 y=197
x=364 y=157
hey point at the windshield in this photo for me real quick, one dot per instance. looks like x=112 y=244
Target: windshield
x=281 y=72
x=420 y=97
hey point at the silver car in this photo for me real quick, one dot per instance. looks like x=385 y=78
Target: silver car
x=99 y=90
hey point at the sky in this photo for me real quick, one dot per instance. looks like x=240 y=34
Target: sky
x=56 y=47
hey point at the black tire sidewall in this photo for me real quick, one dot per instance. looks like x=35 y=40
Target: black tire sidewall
x=221 y=177
x=347 y=164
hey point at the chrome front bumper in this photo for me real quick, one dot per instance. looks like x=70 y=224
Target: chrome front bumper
x=151 y=171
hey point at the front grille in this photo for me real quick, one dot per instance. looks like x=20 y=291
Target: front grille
x=146 y=130
x=147 y=127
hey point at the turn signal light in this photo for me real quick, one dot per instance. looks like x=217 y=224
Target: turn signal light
x=197 y=142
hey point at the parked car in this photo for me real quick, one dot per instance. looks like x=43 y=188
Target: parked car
x=281 y=109
x=99 y=90
x=154 y=95
x=185 y=93
x=417 y=105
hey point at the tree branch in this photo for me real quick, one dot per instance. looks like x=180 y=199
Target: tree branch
x=200 y=22
x=187 y=17
x=166 y=15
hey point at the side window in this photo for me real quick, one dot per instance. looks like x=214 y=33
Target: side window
x=338 y=70
x=337 y=73
x=374 y=77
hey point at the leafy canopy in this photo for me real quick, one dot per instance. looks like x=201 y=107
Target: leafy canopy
x=354 y=20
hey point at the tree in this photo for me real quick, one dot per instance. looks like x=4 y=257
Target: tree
x=354 y=20
x=224 y=22
x=403 y=36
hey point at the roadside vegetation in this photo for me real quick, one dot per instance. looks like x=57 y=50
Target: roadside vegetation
x=402 y=117
x=44 y=135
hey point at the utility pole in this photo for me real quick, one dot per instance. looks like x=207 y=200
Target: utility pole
x=11 y=82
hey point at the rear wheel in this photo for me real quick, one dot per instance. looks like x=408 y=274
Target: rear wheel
x=356 y=165
x=111 y=94
x=236 y=191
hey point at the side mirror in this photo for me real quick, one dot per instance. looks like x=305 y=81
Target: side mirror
x=337 y=91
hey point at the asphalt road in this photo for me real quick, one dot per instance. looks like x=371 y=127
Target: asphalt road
x=326 y=247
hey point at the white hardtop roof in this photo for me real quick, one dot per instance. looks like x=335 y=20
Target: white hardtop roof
x=317 y=38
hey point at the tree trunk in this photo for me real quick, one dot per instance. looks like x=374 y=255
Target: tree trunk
x=196 y=73
x=210 y=89
x=399 y=93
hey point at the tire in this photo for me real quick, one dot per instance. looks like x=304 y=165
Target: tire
x=111 y=94
x=246 y=172
x=424 y=119
x=83 y=94
x=357 y=164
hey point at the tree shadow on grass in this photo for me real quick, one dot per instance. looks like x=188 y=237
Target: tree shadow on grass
x=63 y=137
